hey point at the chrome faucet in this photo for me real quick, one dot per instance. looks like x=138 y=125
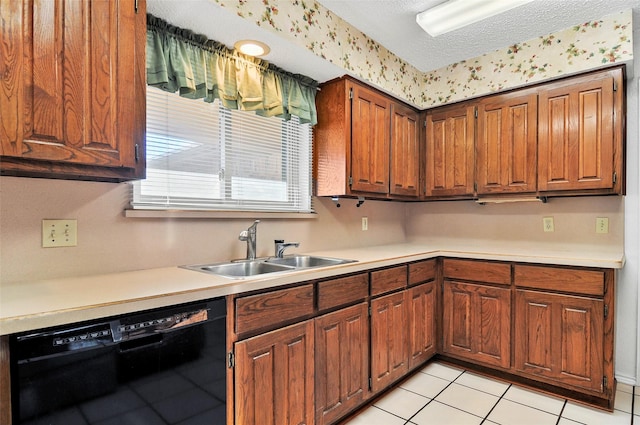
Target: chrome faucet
x=249 y=236
x=281 y=245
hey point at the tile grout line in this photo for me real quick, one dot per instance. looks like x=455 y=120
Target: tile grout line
x=486 y=418
x=432 y=399
x=561 y=411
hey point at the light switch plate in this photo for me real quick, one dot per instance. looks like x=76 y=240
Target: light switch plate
x=57 y=233
x=365 y=223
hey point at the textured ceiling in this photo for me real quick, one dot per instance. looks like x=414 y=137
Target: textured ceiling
x=392 y=24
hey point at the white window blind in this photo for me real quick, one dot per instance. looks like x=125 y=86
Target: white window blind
x=206 y=157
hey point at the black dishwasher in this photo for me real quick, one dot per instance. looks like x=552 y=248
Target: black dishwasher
x=164 y=366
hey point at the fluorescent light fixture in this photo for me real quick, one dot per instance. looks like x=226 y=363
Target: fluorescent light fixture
x=455 y=14
x=252 y=47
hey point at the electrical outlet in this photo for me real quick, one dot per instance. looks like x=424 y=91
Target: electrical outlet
x=56 y=233
x=365 y=223
x=602 y=225
x=547 y=224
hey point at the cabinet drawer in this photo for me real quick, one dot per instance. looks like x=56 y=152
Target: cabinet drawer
x=388 y=280
x=586 y=282
x=272 y=308
x=342 y=291
x=422 y=271
x=481 y=271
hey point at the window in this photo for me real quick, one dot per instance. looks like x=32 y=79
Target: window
x=206 y=157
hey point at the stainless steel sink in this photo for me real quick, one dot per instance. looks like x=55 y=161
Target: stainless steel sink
x=246 y=268
x=307 y=261
x=240 y=269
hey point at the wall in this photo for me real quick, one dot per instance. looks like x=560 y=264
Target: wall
x=110 y=242
x=519 y=224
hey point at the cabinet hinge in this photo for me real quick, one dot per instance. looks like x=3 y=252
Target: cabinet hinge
x=350 y=180
x=370 y=384
x=424 y=124
x=604 y=382
x=136 y=149
x=350 y=93
x=615 y=177
x=369 y=316
x=231 y=360
x=475 y=111
x=615 y=86
x=135 y=6
x=606 y=310
x=475 y=186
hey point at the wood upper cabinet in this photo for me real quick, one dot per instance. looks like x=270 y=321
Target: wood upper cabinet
x=370 y=121
x=365 y=143
x=477 y=322
x=580 y=134
x=405 y=151
x=506 y=143
x=341 y=362
x=274 y=377
x=450 y=141
x=389 y=339
x=73 y=88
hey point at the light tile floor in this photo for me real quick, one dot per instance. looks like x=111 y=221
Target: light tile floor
x=445 y=395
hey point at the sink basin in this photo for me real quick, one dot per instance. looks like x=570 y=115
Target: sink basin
x=244 y=268
x=307 y=261
x=241 y=268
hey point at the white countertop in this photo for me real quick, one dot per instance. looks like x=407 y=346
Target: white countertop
x=28 y=306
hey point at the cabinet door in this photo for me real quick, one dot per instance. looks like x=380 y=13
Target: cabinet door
x=507 y=143
x=422 y=323
x=476 y=322
x=405 y=165
x=579 y=133
x=274 y=377
x=341 y=362
x=73 y=90
x=389 y=339
x=560 y=337
x=370 y=120
x=449 y=153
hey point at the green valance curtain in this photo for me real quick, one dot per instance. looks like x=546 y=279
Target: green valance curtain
x=199 y=68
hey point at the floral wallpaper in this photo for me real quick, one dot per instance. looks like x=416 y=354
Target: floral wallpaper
x=587 y=46
x=582 y=47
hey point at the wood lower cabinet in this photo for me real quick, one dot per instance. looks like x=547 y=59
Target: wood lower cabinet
x=73 y=89
x=341 y=362
x=564 y=327
x=423 y=301
x=389 y=339
x=274 y=377
x=543 y=326
x=560 y=338
x=477 y=322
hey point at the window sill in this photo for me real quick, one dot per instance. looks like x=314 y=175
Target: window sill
x=195 y=214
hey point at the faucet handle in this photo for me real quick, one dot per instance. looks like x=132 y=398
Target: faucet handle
x=244 y=235
x=281 y=245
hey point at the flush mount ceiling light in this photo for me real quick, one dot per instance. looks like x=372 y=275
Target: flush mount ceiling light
x=252 y=47
x=455 y=14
